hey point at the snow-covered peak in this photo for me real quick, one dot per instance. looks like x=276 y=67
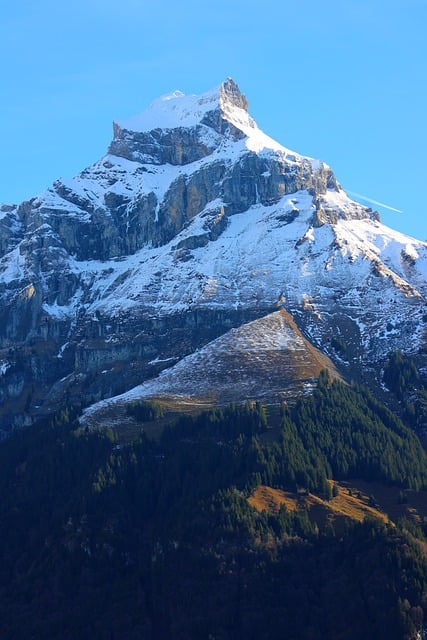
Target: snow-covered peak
x=178 y=110
x=200 y=124
x=172 y=110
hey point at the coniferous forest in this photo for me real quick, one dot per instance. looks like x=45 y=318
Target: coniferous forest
x=161 y=537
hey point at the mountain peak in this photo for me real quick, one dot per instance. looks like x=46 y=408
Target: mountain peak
x=179 y=110
x=231 y=94
x=180 y=129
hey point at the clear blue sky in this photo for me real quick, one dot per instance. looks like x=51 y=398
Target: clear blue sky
x=340 y=80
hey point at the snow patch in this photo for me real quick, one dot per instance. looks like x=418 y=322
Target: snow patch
x=4 y=366
x=59 y=312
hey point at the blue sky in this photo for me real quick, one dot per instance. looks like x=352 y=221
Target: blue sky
x=340 y=80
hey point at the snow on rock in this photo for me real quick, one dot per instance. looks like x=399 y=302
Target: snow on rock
x=173 y=110
x=177 y=110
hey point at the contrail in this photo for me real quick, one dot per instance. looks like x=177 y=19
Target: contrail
x=379 y=204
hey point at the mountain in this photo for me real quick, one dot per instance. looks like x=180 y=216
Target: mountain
x=205 y=296
x=201 y=248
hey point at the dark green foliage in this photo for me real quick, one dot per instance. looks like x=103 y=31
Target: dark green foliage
x=403 y=378
x=348 y=434
x=400 y=373
x=226 y=423
x=145 y=410
x=156 y=540
x=342 y=432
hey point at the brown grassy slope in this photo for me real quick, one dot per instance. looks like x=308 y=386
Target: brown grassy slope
x=347 y=505
x=354 y=502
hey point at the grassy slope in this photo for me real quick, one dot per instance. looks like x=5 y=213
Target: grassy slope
x=353 y=502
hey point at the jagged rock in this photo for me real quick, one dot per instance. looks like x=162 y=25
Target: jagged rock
x=176 y=146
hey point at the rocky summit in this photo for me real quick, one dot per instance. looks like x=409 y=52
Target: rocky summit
x=198 y=244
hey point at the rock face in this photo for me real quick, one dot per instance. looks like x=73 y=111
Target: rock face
x=193 y=223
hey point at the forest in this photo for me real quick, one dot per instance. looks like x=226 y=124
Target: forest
x=156 y=537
